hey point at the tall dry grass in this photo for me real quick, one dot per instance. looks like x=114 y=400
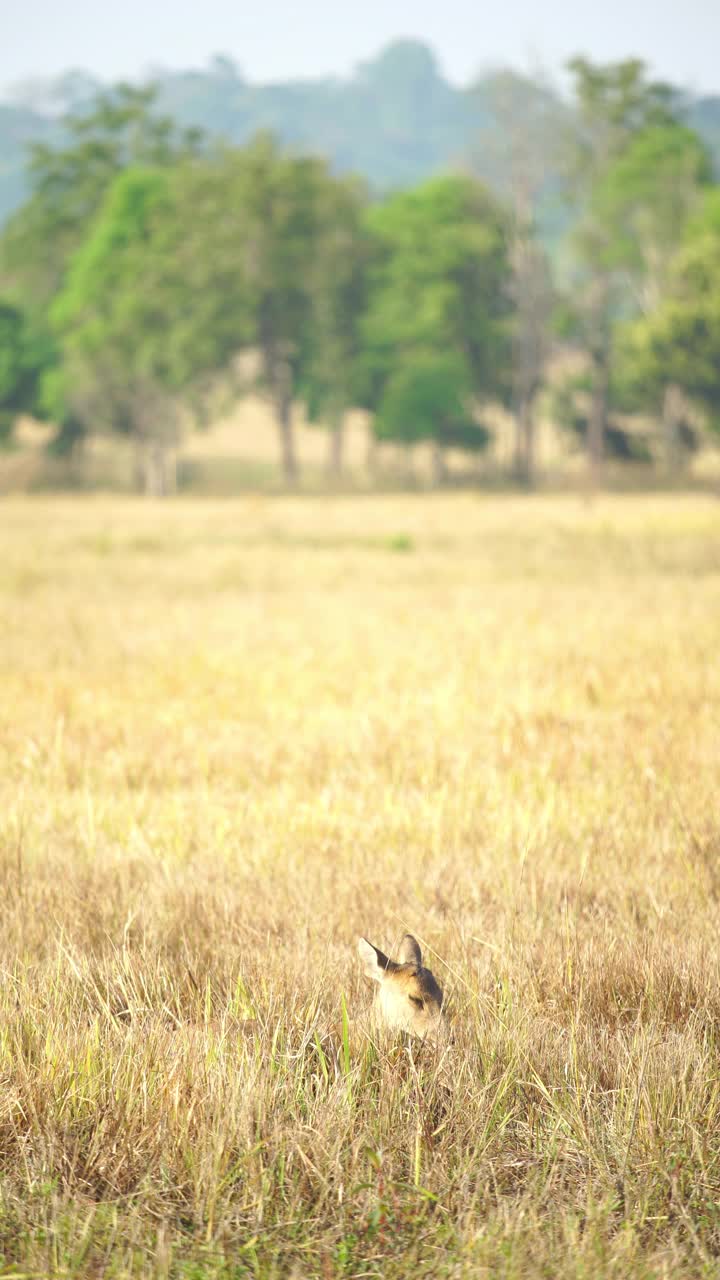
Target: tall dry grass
x=234 y=736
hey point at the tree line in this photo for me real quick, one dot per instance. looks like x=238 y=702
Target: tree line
x=151 y=274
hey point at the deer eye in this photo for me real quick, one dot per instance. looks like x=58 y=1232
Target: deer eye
x=416 y=1001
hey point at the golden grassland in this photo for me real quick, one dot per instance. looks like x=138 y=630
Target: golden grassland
x=235 y=735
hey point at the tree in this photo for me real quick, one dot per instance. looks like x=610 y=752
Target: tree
x=615 y=104
x=338 y=289
x=152 y=306
x=516 y=151
x=69 y=182
x=25 y=353
x=281 y=198
x=183 y=267
x=678 y=343
x=106 y=377
x=531 y=291
x=439 y=285
x=569 y=403
x=429 y=398
x=645 y=198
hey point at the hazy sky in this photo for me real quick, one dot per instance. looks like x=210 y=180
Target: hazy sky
x=276 y=39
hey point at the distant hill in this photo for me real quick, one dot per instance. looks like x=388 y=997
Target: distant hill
x=703 y=115
x=19 y=126
x=396 y=120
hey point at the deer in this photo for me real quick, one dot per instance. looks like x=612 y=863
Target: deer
x=409 y=999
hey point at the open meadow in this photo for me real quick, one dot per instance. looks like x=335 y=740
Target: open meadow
x=235 y=735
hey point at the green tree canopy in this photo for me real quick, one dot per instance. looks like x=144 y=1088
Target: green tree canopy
x=25 y=353
x=185 y=266
x=644 y=200
x=439 y=283
x=429 y=397
x=679 y=342
x=281 y=202
x=68 y=183
x=338 y=282
x=133 y=318
x=632 y=171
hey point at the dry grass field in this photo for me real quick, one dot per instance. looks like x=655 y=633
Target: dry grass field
x=235 y=735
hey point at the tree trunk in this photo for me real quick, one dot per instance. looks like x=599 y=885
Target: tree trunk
x=525 y=442
x=597 y=422
x=337 y=441
x=154 y=472
x=140 y=467
x=529 y=443
x=439 y=470
x=281 y=381
x=287 y=439
x=671 y=418
x=371 y=454
x=155 y=469
x=76 y=459
x=171 y=471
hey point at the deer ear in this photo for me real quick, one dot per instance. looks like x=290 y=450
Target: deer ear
x=410 y=952
x=375 y=963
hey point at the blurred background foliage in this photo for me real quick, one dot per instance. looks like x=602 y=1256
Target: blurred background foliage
x=439 y=259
